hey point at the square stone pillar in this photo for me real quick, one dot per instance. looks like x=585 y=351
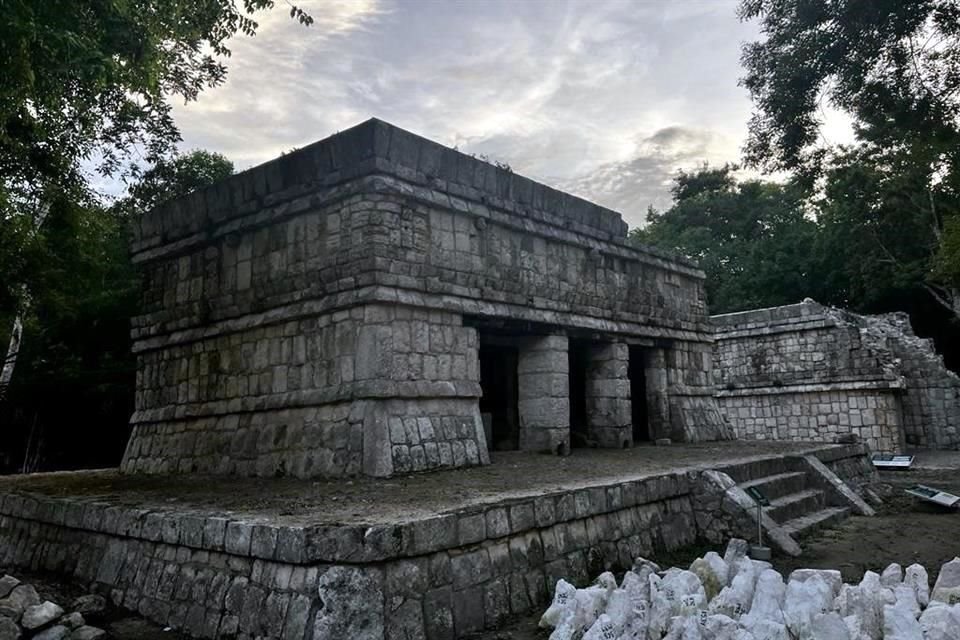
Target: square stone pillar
x=658 y=398
x=543 y=372
x=609 y=419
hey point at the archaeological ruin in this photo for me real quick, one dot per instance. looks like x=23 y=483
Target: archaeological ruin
x=812 y=373
x=376 y=303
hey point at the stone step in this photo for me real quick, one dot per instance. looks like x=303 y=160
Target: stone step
x=812 y=522
x=778 y=485
x=794 y=505
x=757 y=469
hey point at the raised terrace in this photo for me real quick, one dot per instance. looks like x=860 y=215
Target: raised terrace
x=433 y=556
x=377 y=303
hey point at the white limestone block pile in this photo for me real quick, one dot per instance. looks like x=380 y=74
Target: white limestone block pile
x=735 y=598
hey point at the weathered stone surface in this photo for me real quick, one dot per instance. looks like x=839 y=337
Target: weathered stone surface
x=9 y=629
x=809 y=372
x=87 y=632
x=7 y=583
x=947 y=587
x=352 y=604
x=56 y=632
x=317 y=325
x=21 y=597
x=39 y=615
x=73 y=620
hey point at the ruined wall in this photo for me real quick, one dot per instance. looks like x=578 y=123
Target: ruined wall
x=931 y=398
x=809 y=372
x=800 y=373
x=296 y=313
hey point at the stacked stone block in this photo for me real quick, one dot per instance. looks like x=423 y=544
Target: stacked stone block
x=809 y=372
x=694 y=413
x=609 y=421
x=819 y=415
x=313 y=304
x=931 y=400
x=433 y=575
x=544 y=401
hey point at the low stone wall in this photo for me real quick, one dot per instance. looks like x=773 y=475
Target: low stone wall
x=438 y=577
x=817 y=413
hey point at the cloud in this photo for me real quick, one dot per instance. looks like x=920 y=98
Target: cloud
x=645 y=179
x=606 y=98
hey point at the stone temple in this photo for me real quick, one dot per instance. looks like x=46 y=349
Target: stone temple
x=376 y=303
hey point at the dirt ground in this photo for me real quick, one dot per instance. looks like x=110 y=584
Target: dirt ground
x=905 y=530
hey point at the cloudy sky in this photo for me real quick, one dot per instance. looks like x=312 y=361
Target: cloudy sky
x=602 y=98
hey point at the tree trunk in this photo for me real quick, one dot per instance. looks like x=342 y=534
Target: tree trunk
x=11 y=359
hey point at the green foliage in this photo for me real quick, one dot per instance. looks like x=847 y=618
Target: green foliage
x=90 y=81
x=947 y=262
x=174 y=177
x=87 y=77
x=83 y=292
x=751 y=238
x=75 y=357
x=894 y=67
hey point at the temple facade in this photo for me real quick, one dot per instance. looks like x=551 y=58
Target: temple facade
x=376 y=303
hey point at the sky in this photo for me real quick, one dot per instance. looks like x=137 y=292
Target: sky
x=606 y=99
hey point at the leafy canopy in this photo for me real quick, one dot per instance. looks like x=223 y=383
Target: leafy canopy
x=893 y=66
x=172 y=177
x=93 y=80
x=751 y=238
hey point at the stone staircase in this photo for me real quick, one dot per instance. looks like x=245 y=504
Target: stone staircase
x=802 y=500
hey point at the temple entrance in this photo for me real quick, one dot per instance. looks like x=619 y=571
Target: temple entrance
x=498 y=405
x=636 y=371
x=579 y=358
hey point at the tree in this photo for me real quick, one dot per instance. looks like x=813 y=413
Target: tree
x=751 y=238
x=170 y=178
x=83 y=291
x=89 y=81
x=894 y=67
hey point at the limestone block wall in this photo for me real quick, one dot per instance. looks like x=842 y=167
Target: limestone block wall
x=694 y=413
x=806 y=371
x=376 y=389
x=931 y=399
x=343 y=273
x=817 y=414
x=544 y=397
x=437 y=576
x=799 y=373
x=609 y=420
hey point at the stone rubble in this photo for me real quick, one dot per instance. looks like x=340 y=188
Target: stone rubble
x=736 y=598
x=23 y=615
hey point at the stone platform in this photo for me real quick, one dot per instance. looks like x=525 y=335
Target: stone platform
x=423 y=556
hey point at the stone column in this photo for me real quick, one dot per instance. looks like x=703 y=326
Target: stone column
x=609 y=421
x=544 y=394
x=658 y=399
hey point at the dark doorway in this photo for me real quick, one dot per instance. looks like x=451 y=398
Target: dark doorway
x=498 y=405
x=579 y=359
x=636 y=371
